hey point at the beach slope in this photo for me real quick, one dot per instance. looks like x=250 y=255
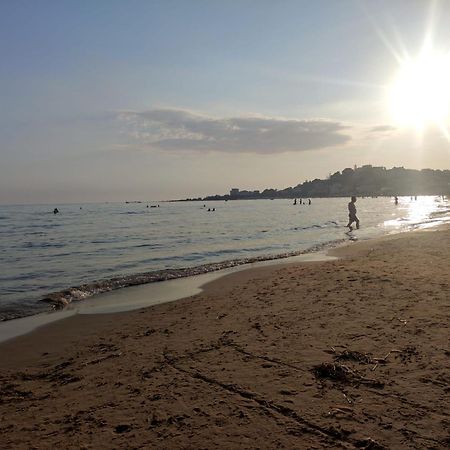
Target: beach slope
x=351 y=353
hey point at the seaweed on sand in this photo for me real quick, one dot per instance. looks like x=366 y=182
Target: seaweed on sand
x=351 y=355
x=341 y=373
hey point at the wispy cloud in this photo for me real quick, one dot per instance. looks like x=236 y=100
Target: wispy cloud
x=181 y=130
x=382 y=129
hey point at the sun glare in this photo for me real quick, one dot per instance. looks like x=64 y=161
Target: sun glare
x=419 y=96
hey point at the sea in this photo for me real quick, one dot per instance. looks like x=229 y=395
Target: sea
x=51 y=260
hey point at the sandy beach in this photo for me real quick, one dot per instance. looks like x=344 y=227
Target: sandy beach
x=351 y=353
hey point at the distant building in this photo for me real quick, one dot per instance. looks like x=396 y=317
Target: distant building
x=244 y=194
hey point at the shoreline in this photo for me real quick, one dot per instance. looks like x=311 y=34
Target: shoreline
x=344 y=353
x=65 y=297
x=174 y=285
x=144 y=295
x=65 y=292
x=59 y=301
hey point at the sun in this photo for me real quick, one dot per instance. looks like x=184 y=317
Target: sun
x=419 y=95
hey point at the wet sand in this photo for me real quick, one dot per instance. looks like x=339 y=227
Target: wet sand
x=352 y=353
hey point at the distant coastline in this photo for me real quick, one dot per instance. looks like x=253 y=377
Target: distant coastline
x=365 y=181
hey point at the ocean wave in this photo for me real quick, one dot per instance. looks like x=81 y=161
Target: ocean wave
x=441 y=213
x=43 y=245
x=329 y=224
x=61 y=299
x=152 y=246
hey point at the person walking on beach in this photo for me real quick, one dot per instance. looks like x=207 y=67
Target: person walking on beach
x=352 y=214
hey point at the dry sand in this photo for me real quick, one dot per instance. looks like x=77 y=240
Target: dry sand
x=352 y=353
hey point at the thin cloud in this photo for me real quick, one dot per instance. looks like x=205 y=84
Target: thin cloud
x=382 y=129
x=179 y=130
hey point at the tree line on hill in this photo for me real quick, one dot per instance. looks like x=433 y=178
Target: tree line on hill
x=362 y=181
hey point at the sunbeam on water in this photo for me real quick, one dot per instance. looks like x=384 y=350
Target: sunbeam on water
x=419 y=212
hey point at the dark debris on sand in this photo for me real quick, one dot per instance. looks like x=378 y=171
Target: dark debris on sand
x=350 y=355
x=343 y=374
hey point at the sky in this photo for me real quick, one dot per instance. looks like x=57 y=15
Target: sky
x=154 y=100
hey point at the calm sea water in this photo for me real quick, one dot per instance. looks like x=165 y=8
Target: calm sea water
x=43 y=253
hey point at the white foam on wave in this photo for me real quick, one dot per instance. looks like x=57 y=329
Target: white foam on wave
x=138 y=297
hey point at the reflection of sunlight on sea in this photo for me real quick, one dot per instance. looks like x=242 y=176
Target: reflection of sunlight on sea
x=419 y=212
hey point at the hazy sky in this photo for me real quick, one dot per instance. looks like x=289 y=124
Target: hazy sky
x=115 y=100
